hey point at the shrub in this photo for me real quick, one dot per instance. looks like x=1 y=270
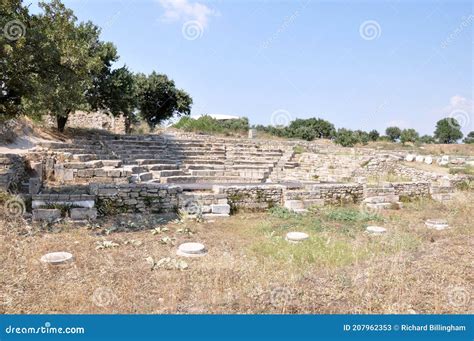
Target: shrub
x=469 y=138
x=346 y=138
x=374 y=135
x=409 y=135
x=428 y=139
x=207 y=124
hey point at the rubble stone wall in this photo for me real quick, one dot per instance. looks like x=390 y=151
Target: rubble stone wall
x=92 y=120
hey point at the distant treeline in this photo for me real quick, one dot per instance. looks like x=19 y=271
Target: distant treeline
x=447 y=130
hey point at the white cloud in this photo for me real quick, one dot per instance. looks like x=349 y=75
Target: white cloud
x=183 y=10
x=460 y=103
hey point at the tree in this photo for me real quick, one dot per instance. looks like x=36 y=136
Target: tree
x=428 y=139
x=115 y=92
x=409 y=135
x=362 y=136
x=448 y=130
x=374 y=135
x=393 y=133
x=345 y=138
x=159 y=99
x=69 y=55
x=18 y=66
x=469 y=138
x=311 y=128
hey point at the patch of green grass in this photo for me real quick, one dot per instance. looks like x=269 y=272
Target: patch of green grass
x=283 y=213
x=466 y=170
x=351 y=215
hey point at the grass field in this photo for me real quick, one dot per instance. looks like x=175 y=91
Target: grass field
x=249 y=268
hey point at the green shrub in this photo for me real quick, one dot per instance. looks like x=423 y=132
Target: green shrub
x=207 y=124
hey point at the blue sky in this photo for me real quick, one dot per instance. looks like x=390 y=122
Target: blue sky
x=360 y=65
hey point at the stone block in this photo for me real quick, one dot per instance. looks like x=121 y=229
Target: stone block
x=83 y=213
x=220 y=209
x=34 y=185
x=294 y=204
x=44 y=214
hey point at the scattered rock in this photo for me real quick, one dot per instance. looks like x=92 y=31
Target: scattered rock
x=191 y=250
x=296 y=237
x=376 y=230
x=106 y=244
x=437 y=224
x=55 y=258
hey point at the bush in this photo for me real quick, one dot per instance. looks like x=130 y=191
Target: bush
x=346 y=138
x=374 y=135
x=428 y=139
x=207 y=124
x=469 y=138
x=409 y=135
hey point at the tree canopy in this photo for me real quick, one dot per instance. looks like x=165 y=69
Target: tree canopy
x=448 y=130
x=52 y=64
x=393 y=133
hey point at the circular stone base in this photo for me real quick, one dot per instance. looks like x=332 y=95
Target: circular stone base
x=55 y=258
x=376 y=229
x=437 y=224
x=295 y=237
x=191 y=250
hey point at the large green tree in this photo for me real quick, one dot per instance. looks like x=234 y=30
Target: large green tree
x=18 y=48
x=448 y=130
x=159 y=99
x=70 y=55
x=393 y=133
x=311 y=128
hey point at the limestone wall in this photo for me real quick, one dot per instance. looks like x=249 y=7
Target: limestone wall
x=252 y=197
x=91 y=120
x=150 y=198
x=329 y=194
x=412 y=189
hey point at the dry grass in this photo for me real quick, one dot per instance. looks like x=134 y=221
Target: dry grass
x=250 y=268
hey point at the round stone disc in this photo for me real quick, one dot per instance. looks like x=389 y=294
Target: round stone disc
x=56 y=258
x=296 y=236
x=191 y=250
x=376 y=229
x=437 y=224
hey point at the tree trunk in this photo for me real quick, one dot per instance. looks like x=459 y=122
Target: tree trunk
x=62 y=120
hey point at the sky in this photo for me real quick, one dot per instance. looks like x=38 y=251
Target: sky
x=359 y=64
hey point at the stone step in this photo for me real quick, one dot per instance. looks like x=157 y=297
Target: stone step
x=160 y=167
x=207 y=179
x=156 y=161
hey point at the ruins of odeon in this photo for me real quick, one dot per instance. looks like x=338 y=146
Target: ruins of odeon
x=211 y=176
